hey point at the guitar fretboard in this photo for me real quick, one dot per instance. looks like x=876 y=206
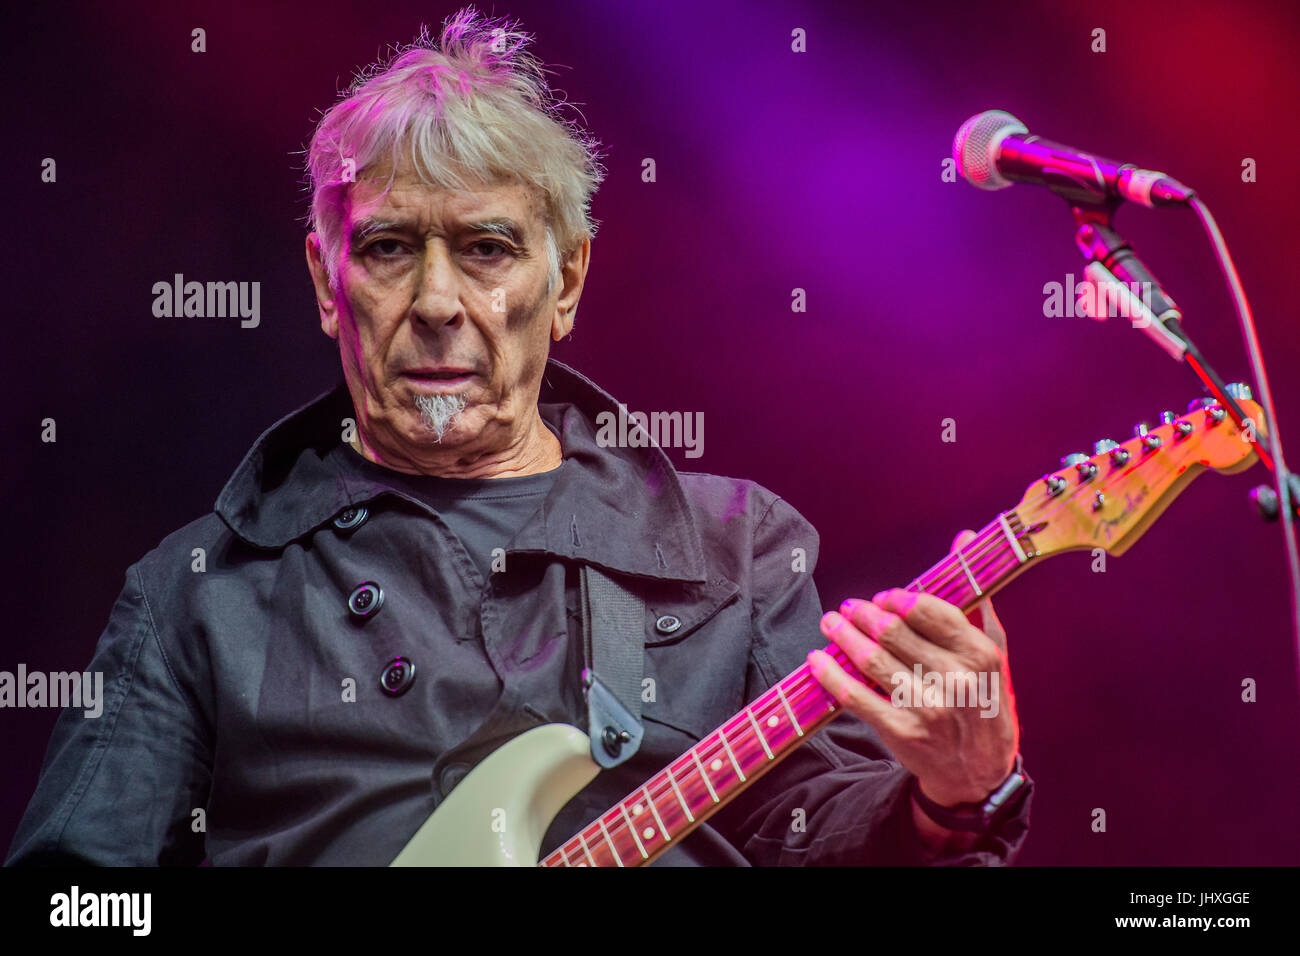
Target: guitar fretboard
x=699 y=782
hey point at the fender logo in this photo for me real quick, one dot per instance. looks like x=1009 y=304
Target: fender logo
x=1131 y=503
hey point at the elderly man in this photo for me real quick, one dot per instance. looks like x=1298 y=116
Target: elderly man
x=389 y=587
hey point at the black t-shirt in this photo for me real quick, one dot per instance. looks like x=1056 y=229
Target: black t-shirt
x=484 y=513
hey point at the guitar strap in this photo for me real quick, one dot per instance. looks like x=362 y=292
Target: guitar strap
x=613 y=626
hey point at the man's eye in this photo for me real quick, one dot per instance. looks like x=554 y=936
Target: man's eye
x=375 y=247
x=489 y=247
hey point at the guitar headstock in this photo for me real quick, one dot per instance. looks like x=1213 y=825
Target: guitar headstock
x=1109 y=499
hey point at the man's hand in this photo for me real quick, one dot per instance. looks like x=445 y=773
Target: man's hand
x=958 y=753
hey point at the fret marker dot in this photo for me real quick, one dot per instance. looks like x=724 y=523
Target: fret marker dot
x=648 y=832
x=637 y=810
x=716 y=765
x=773 y=720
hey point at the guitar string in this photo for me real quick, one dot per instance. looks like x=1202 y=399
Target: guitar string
x=664 y=797
x=661 y=792
x=994 y=547
x=805 y=690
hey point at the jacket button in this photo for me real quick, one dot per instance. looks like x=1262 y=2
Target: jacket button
x=397 y=677
x=366 y=600
x=350 y=517
x=451 y=776
x=667 y=624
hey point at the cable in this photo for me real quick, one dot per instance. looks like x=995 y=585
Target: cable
x=1274 y=437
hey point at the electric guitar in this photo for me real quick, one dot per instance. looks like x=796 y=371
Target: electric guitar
x=1105 y=501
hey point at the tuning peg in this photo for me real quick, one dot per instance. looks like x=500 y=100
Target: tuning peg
x=1239 y=391
x=1118 y=455
x=1079 y=461
x=1149 y=442
x=1181 y=428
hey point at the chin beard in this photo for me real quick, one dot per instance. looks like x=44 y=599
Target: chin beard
x=438 y=412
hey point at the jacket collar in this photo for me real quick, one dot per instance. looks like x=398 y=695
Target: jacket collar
x=622 y=508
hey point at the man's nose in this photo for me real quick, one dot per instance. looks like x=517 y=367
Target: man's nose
x=437 y=297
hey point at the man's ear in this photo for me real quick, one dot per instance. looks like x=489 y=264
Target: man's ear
x=329 y=314
x=572 y=275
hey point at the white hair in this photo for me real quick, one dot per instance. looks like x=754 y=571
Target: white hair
x=437 y=411
x=471 y=103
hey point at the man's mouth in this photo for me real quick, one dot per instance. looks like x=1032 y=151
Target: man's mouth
x=442 y=376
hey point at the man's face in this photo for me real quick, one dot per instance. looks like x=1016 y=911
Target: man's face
x=440 y=302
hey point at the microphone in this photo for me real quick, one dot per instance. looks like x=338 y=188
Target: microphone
x=993 y=149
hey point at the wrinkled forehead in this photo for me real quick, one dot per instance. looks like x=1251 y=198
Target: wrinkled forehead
x=382 y=193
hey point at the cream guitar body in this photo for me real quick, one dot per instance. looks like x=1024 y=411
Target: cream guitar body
x=498 y=815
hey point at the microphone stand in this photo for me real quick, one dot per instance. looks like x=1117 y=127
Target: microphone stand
x=1161 y=320
x=1112 y=264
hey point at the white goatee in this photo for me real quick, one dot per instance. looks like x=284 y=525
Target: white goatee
x=438 y=411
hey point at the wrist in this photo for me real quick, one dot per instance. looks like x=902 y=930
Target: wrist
x=937 y=840
x=952 y=799
x=974 y=815
x=960 y=793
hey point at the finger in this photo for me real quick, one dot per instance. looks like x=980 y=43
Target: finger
x=982 y=614
x=854 y=695
x=986 y=619
x=933 y=618
x=962 y=539
x=892 y=633
x=873 y=662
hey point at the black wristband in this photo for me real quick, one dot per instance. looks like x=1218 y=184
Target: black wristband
x=974 y=817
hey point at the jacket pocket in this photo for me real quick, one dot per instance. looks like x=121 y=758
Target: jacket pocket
x=674 y=614
x=697 y=651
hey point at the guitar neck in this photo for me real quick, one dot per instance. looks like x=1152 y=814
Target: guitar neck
x=705 y=778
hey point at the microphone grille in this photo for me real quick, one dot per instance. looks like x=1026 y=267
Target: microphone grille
x=975 y=147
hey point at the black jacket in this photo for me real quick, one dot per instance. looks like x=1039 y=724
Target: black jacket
x=225 y=731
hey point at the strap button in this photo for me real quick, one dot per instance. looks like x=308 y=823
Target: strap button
x=614 y=740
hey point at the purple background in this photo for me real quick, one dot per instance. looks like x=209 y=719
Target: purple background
x=776 y=170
